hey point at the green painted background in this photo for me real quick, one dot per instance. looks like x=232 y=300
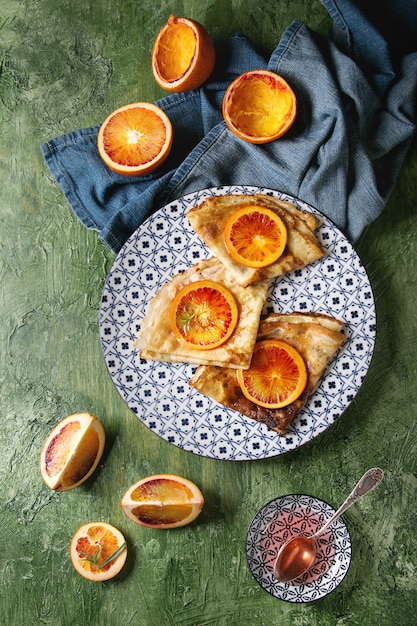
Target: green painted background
x=65 y=64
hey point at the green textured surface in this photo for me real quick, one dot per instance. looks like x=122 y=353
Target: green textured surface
x=66 y=64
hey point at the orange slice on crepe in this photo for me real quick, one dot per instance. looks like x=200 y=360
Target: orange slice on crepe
x=276 y=377
x=255 y=236
x=203 y=315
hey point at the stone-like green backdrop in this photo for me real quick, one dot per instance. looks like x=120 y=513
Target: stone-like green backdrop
x=65 y=64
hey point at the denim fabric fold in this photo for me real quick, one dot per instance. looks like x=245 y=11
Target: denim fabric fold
x=356 y=96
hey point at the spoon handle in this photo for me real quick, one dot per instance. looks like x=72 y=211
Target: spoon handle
x=369 y=481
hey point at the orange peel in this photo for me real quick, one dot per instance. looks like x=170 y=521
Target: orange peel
x=259 y=106
x=183 y=55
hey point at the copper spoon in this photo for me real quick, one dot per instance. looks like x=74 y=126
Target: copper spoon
x=298 y=554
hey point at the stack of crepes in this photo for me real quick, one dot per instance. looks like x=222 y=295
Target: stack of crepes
x=317 y=337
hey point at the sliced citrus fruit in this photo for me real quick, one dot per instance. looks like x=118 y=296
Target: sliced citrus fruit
x=135 y=139
x=183 y=55
x=255 y=236
x=163 y=501
x=98 y=551
x=259 y=106
x=72 y=451
x=276 y=377
x=203 y=315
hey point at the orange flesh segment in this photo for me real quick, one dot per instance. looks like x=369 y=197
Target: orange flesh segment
x=260 y=106
x=134 y=136
x=81 y=464
x=204 y=315
x=164 y=490
x=255 y=237
x=96 y=538
x=57 y=453
x=277 y=375
x=176 y=51
x=157 y=515
x=175 y=502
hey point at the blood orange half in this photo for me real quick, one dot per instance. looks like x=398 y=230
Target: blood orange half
x=135 y=139
x=259 y=106
x=183 y=55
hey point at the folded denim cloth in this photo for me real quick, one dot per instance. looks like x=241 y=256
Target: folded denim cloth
x=356 y=119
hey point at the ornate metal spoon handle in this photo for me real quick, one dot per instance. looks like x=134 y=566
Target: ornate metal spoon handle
x=369 y=481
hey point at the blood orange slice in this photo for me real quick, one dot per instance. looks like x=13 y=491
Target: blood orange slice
x=183 y=55
x=135 y=139
x=276 y=377
x=98 y=551
x=163 y=501
x=72 y=451
x=255 y=236
x=259 y=106
x=203 y=315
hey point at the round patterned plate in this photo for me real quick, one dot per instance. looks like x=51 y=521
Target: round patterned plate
x=159 y=393
x=292 y=516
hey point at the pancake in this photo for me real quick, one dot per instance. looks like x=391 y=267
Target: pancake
x=317 y=337
x=209 y=220
x=157 y=342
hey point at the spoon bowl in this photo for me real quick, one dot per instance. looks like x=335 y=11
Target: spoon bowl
x=296 y=556
x=303 y=514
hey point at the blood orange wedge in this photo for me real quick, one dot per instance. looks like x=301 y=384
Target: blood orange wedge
x=163 y=501
x=203 y=315
x=183 y=55
x=255 y=236
x=259 y=106
x=72 y=451
x=98 y=551
x=135 y=139
x=276 y=377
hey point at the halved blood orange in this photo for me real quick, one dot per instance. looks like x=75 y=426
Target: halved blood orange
x=72 y=451
x=203 y=315
x=255 y=236
x=163 y=501
x=277 y=375
x=135 y=139
x=259 y=106
x=183 y=55
x=98 y=551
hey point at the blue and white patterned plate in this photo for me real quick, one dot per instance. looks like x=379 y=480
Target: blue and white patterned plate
x=292 y=516
x=159 y=393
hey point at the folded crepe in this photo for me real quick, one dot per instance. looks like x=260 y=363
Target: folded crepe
x=209 y=220
x=317 y=337
x=156 y=341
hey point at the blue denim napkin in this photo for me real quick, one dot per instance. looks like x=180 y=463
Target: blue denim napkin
x=356 y=118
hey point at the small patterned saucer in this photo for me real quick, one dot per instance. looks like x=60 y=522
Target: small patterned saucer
x=295 y=515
